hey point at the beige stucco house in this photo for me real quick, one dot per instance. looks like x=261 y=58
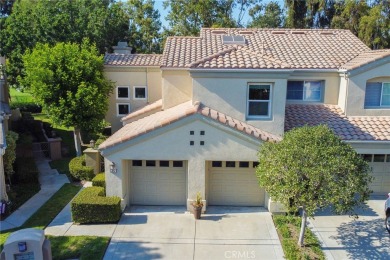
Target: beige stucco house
x=193 y=118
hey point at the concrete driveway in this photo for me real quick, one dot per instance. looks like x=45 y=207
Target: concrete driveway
x=345 y=238
x=170 y=233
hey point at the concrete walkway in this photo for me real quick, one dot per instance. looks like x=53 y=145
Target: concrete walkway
x=51 y=181
x=343 y=237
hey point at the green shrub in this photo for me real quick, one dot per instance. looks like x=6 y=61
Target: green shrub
x=90 y=206
x=26 y=107
x=26 y=170
x=79 y=171
x=99 y=180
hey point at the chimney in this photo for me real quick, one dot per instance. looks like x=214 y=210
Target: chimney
x=122 y=48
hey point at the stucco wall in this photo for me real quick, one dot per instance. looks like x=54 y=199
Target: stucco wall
x=357 y=88
x=227 y=93
x=176 y=87
x=173 y=143
x=150 y=77
x=331 y=87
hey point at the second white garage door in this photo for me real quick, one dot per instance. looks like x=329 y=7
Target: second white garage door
x=234 y=184
x=158 y=182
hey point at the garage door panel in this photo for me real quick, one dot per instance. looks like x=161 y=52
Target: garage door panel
x=234 y=187
x=381 y=174
x=158 y=185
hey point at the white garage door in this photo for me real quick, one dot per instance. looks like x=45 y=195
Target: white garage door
x=380 y=165
x=157 y=182
x=234 y=184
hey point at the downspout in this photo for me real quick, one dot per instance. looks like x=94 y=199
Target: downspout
x=346 y=92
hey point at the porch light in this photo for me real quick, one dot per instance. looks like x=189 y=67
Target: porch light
x=22 y=246
x=113 y=168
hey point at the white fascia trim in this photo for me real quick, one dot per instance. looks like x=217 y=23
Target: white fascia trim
x=366 y=142
x=172 y=68
x=242 y=70
x=130 y=66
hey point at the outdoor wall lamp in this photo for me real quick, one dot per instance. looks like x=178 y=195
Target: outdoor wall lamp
x=113 y=168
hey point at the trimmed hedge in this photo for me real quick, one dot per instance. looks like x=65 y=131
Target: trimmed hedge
x=99 y=180
x=79 y=171
x=26 y=107
x=90 y=206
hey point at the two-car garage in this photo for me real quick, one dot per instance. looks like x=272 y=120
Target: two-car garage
x=163 y=182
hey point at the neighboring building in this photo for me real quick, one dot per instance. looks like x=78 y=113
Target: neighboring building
x=4 y=115
x=199 y=112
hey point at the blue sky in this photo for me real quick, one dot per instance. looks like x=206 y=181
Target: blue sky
x=163 y=12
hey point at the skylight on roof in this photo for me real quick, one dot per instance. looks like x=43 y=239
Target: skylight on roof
x=233 y=39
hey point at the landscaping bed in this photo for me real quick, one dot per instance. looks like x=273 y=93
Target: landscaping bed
x=288 y=228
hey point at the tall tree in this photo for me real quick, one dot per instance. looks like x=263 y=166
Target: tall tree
x=186 y=17
x=374 y=28
x=266 y=15
x=296 y=13
x=68 y=81
x=145 y=25
x=349 y=14
x=51 y=21
x=312 y=168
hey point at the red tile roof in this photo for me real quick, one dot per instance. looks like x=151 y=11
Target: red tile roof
x=142 y=60
x=264 y=49
x=359 y=128
x=365 y=58
x=143 y=110
x=171 y=115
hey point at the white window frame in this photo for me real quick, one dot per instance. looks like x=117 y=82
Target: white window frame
x=254 y=117
x=380 y=104
x=146 y=92
x=122 y=98
x=305 y=88
x=117 y=109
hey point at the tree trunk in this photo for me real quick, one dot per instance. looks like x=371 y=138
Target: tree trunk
x=303 y=227
x=77 y=141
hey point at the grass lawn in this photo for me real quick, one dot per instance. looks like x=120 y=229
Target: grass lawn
x=80 y=247
x=288 y=228
x=62 y=165
x=20 y=97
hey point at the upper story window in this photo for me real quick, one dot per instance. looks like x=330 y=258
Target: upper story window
x=140 y=92
x=259 y=100
x=122 y=92
x=305 y=90
x=377 y=94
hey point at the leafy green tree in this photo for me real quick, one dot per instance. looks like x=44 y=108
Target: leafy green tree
x=186 y=17
x=296 y=13
x=349 y=14
x=374 y=28
x=68 y=81
x=10 y=154
x=266 y=15
x=50 y=21
x=6 y=7
x=145 y=25
x=312 y=168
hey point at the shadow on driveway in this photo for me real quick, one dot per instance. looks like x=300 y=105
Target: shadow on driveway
x=364 y=239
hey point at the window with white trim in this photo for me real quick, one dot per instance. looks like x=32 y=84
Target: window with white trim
x=377 y=95
x=305 y=90
x=122 y=92
x=122 y=109
x=259 y=100
x=139 y=92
